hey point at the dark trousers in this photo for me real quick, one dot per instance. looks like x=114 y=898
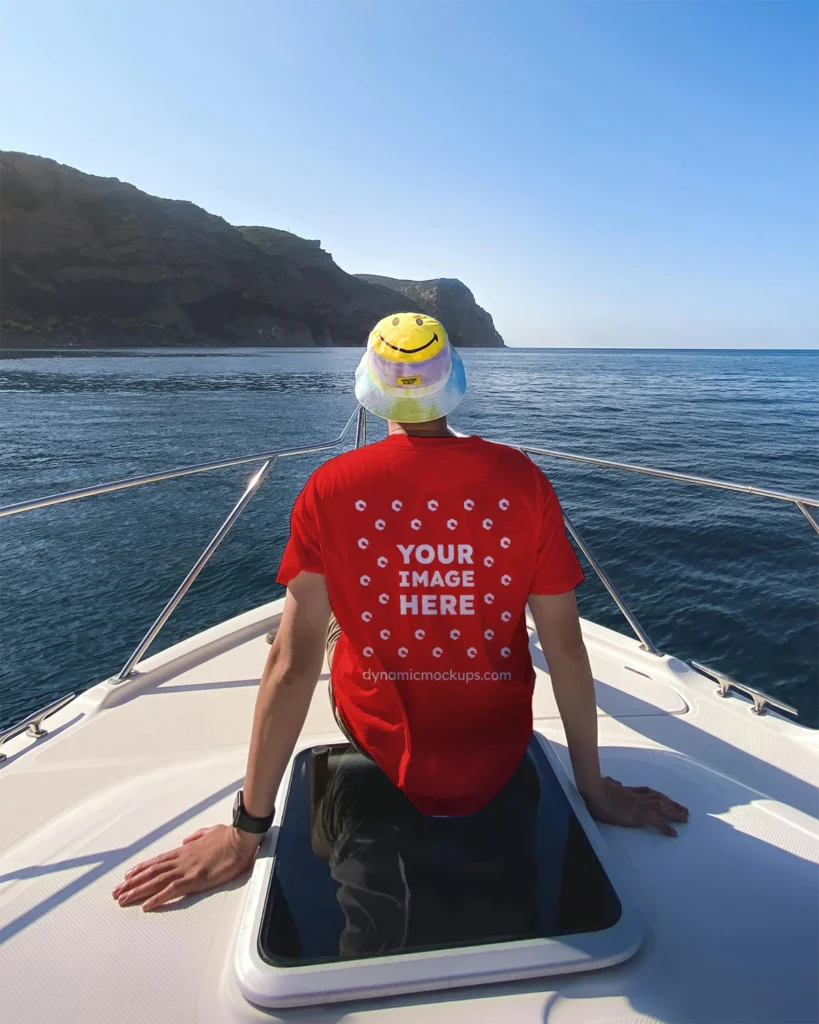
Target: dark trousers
x=408 y=881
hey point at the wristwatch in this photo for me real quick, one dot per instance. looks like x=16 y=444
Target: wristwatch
x=246 y=822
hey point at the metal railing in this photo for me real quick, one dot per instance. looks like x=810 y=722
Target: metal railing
x=803 y=504
x=172 y=474
x=253 y=485
x=269 y=460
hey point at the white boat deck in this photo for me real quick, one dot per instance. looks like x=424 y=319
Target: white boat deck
x=128 y=770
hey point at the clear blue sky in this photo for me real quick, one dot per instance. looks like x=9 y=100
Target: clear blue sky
x=614 y=173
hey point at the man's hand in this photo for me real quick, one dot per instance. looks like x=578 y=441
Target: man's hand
x=214 y=856
x=208 y=858
x=558 y=626
x=634 y=807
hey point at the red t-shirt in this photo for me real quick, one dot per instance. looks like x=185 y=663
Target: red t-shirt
x=430 y=547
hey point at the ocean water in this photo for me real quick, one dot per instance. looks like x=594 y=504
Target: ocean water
x=727 y=579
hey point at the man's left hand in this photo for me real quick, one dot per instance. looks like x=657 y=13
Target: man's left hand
x=635 y=807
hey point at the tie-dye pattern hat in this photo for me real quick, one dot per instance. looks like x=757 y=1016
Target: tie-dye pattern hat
x=410 y=373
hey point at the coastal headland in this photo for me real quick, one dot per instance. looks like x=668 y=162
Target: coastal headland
x=92 y=262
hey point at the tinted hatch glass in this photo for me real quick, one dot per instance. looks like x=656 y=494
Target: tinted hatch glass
x=359 y=872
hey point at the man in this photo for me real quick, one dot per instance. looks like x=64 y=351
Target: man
x=427 y=547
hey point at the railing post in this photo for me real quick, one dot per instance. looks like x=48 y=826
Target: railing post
x=253 y=485
x=806 y=512
x=615 y=593
x=361 y=427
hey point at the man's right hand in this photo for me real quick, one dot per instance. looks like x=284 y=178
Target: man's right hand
x=206 y=859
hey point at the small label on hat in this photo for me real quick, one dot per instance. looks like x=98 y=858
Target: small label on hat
x=407 y=381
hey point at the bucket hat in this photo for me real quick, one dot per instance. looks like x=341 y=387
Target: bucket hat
x=410 y=372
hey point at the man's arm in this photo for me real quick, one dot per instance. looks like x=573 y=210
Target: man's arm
x=214 y=856
x=558 y=627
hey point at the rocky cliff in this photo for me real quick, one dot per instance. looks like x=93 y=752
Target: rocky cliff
x=451 y=302
x=94 y=261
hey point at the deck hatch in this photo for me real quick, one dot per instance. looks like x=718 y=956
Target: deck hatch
x=364 y=896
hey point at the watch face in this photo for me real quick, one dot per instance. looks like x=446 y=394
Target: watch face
x=237 y=807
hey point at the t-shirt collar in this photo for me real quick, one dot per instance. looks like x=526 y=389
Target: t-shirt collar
x=413 y=441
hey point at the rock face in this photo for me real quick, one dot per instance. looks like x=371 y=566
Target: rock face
x=452 y=303
x=92 y=261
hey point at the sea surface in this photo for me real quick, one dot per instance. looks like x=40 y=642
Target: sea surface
x=730 y=580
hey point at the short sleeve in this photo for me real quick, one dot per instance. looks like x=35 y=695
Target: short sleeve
x=557 y=569
x=302 y=552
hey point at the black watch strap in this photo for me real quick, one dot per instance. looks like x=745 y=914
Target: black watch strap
x=247 y=822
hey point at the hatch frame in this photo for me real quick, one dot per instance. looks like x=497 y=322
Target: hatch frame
x=273 y=987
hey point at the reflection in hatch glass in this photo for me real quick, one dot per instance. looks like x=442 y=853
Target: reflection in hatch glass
x=359 y=872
